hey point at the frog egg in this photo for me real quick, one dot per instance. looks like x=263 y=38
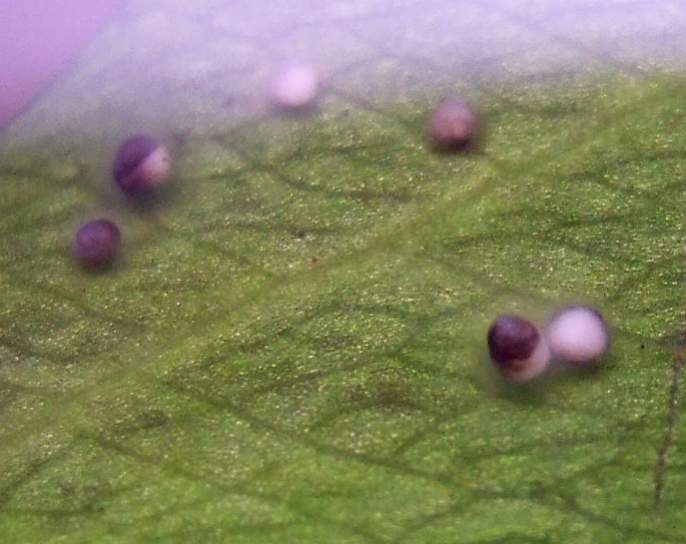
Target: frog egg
x=454 y=126
x=97 y=243
x=141 y=165
x=578 y=335
x=295 y=87
x=517 y=348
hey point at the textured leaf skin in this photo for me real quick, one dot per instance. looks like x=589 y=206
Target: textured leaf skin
x=292 y=348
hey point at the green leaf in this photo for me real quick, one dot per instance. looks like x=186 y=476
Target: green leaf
x=293 y=346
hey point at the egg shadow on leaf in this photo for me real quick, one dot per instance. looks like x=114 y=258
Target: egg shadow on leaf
x=530 y=393
x=154 y=201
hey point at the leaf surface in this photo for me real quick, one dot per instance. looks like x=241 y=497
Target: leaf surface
x=292 y=348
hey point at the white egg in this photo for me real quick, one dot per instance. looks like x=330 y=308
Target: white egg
x=295 y=87
x=577 y=334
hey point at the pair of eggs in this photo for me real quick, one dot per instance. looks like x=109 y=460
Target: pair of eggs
x=453 y=126
x=141 y=166
x=576 y=335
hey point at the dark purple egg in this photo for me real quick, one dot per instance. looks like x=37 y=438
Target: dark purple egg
x=454 y=126
x=97 y=243
x=517 y=348
x=141 y=165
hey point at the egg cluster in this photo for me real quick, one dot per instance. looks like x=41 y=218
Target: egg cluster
x=575 y=335
x=142 y=165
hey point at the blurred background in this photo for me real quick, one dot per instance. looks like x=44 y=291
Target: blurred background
x=210 y=55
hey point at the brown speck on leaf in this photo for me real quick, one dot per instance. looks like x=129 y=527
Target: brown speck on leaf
x=314 y=261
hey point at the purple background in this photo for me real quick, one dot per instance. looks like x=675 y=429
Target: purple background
x=38 y=38
x=198 y=47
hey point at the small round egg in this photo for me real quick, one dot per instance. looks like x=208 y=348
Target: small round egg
x=141 y=165
x=453 y=126
x=97 y=243
x=295 y=87
x=517 y=348
x=578 y=334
